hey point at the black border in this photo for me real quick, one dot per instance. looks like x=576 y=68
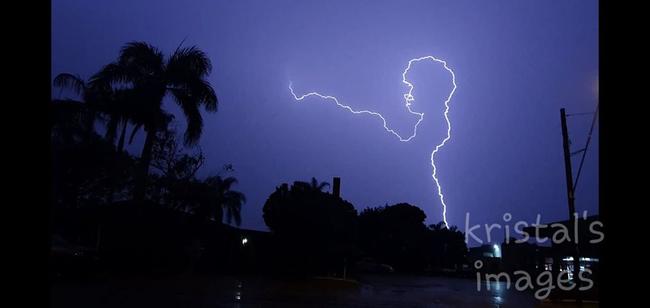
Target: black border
x=623 y=245
x=26 y=95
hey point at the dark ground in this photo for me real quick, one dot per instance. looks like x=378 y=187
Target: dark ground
x=371 y=291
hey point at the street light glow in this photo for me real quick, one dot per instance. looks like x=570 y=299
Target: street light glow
x=497 y=251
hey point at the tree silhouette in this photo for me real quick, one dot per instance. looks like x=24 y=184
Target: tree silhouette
x=101 y=101
x=178 y=188
x=447 y=247
x=313 y=230
x=223 y=198
x=143 y=69
x=171 y=161
x=395 y=235
x=315 y=185
x=84 y=112
x=70 y=121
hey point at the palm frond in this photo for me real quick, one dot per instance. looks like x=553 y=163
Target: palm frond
x=146 y=58
x=111 y=128
x=70 y=110
x=233 y=203
x=70 y=81
x=192 y=114
x=110 y=74
x=233 y=213
x=136 y=128
x=235 y=196
x=205 y=94
x=228 y=182
x=318 y=186
x=188 y=62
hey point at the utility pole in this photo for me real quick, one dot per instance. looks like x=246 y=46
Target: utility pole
x=572 y=207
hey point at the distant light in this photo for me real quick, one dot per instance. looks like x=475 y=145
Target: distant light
x=581 y=259
x=497 y=251
x=244 y=241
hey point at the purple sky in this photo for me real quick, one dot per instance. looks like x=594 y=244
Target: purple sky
x=516 y=63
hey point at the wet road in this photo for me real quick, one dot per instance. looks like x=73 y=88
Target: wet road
x=371 y=291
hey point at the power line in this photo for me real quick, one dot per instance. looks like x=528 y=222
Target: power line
x=584 y=151
x=579 y=114
x=578 y=151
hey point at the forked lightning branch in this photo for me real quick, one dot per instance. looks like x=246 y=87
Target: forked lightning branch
x=408 y=99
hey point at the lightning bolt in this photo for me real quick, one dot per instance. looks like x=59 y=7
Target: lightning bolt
x=408 y=99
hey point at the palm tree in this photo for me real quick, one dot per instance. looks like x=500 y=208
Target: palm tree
x=143 y=69
x=97 y=99
x=119 y=115
x=318 y=186
x=310 y=187
x=82 y=112
x=217 y=196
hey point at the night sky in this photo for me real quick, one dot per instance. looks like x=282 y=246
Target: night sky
x=516 y=63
